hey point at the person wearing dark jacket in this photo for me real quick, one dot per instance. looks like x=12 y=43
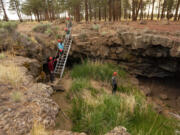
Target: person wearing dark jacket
x=51 y=68
x=114 y=83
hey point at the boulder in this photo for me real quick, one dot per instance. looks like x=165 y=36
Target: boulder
x=143 y=22
x=118 y=131
x=178 y=101
x=63 y=132
x=163 y=96
x=147 y=91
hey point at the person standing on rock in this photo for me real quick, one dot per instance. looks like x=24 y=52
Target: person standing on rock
x=114 y=83
x=51 y=68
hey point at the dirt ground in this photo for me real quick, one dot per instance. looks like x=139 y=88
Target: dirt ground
x=168 y=87
x=152 y=25
x=63 y=121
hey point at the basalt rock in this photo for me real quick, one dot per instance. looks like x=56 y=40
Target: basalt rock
x=143 y=52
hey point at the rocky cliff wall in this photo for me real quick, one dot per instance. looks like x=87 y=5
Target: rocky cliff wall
x=143 y=52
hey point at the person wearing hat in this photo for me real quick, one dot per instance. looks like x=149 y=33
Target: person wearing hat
x=51 y=68
x=114 y=83
x=68 y=23
x=59 y=53
x=68 y=32
x=60 y=45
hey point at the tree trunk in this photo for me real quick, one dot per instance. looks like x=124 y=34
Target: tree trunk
x=137 y=11
x=90 y=11
x=148 y=12
x=5 y=15
x=133 y=11
x=46 y=14
x=120 y=13
x=95 y=16
x=177 y=8
x=18 y=11
x=105 y=14
x=38 y=17
x=125 y=13
x=164 y=5
x=141 y=14
x=159 y=8
x=114 y=10
x=78 y=13
x=99 y=12
x=152 y=14
x=86 y=10
x=110 y=10
x=179 y=17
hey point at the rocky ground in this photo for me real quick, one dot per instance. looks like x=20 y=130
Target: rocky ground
x=34 y=104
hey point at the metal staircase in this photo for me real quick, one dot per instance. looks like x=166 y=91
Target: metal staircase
x=61 y=63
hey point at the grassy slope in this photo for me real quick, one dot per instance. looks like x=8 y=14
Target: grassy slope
x=98 y=112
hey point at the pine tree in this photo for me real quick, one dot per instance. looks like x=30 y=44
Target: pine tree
x=4 y=10
x=152 y=14
x=15 y=5
x=177 y=8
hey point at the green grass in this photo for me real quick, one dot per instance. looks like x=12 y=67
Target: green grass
x=79 y=84
x=128 y=109
x=96 y=71
x=115 y=111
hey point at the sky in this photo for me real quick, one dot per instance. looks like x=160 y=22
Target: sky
x=11 y=14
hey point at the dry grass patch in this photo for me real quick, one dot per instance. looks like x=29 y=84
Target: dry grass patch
x=17 y=96
x=38 y=129
x=11 y=74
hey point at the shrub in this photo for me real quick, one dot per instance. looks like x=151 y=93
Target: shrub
x=2 y=56
x=95 y=27
x=83 y=37
x=10 y=26
x=17 y=96
x=41 y=28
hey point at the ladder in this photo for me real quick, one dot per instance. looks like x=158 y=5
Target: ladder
x=60 y=66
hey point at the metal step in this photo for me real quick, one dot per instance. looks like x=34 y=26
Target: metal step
x=59 y=69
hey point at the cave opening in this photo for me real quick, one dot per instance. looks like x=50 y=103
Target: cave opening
x=167 y=87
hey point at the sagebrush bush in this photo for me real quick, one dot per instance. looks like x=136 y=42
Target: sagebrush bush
x=83 y=36
x=10 y=26
x=46 y=29
x=95 y=27
x=41 y=28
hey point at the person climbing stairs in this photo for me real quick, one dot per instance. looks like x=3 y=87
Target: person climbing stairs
x=60 y=66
